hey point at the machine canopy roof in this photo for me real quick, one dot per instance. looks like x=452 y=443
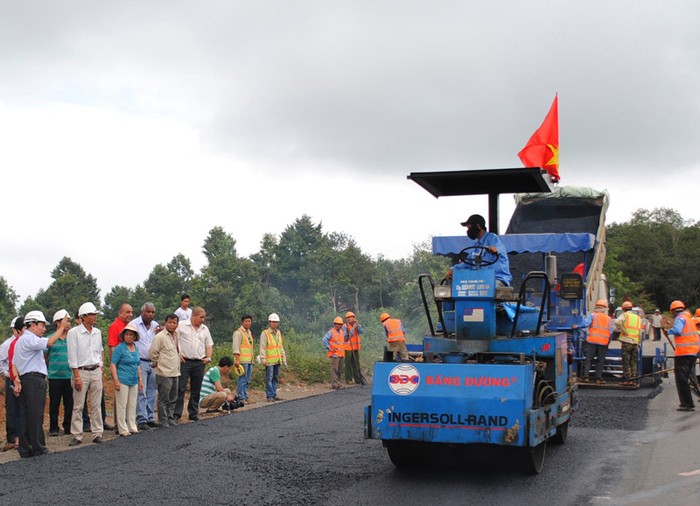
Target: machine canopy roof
x=483 y=182
x=521 y=243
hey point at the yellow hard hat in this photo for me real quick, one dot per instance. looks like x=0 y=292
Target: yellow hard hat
x=384 y=316
x=677 y=304
x=601 y=303
x=627 y=305
x=337 y=319
x=240 y=371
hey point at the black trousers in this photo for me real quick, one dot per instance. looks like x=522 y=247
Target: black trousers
x=683 y=367
x=192 y=370
x=32 y=401
x=594 y=350
x=60 y=390
x=11 y=412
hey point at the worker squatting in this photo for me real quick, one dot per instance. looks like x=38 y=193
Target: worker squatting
x=448 y=419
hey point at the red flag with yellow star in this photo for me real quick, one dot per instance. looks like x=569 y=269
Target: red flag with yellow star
x=542 y=150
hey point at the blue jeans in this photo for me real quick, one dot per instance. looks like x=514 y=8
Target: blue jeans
x=244 y=381
x=146 y=404
x=272 y=376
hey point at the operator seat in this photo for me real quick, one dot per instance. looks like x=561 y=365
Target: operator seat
x=505 y=293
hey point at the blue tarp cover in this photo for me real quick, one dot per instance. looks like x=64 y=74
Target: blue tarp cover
x=521 y=243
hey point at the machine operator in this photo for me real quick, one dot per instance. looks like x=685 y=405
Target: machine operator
x=476 y=230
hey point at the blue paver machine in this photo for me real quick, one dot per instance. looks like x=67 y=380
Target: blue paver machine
x=488 y=374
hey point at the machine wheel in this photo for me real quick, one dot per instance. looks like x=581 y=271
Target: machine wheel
x=562 y=433
x=534 y=458
x=399 y=453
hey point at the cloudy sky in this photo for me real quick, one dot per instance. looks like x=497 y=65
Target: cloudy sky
x=129 y=129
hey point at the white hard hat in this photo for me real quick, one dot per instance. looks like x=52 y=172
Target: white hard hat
x=14 y=320
x=87 y=308
x=60 y=315
x=274 y=317
x=34 y=317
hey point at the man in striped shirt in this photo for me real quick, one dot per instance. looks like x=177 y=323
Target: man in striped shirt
x=213 y=395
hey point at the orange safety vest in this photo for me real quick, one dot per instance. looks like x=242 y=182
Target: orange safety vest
x=336 y=343
x=632 y=328
x=696 y=321
x=394 y=333
x=599 y=331
x=353 y=343
x=246 y=349
x=273 y=348
x=687 y=343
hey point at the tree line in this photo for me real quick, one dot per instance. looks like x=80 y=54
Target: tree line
x=309 y=276
x=653 y=259
x=305 y=274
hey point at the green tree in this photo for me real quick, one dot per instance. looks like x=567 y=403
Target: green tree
x=114 y=299
x=294 y=263
x=217 y=287
x=657 y=251
x=70 y=288
x=165 y=283
x=8 y=303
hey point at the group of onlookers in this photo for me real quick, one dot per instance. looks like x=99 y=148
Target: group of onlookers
x=147 y=362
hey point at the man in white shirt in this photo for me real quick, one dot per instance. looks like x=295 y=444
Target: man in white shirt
x=184 y=312
x=30 y=381
x=196 y=348
x=84 y=344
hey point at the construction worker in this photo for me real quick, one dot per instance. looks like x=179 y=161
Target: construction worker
x=492 y=244
x=243 y=356
x=656 y=322
x=334 y=342
x=272 y=356
x=629 y=325
x=353 y=332
x=395 y=336
x=696 y=319
x=687 y=349
x=599 y=326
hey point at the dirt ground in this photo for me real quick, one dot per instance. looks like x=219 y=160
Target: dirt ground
x=286 y=392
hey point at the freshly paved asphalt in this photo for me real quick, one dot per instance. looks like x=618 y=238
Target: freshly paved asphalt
x=312 y=451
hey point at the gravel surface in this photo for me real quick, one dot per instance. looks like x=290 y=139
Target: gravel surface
x=311 y=451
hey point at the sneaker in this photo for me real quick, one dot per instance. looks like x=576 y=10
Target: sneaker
x=154 y=424
x=270 y=399
x=75 y=442
x=143 y=426
x=54 y=432
x=98 y=440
